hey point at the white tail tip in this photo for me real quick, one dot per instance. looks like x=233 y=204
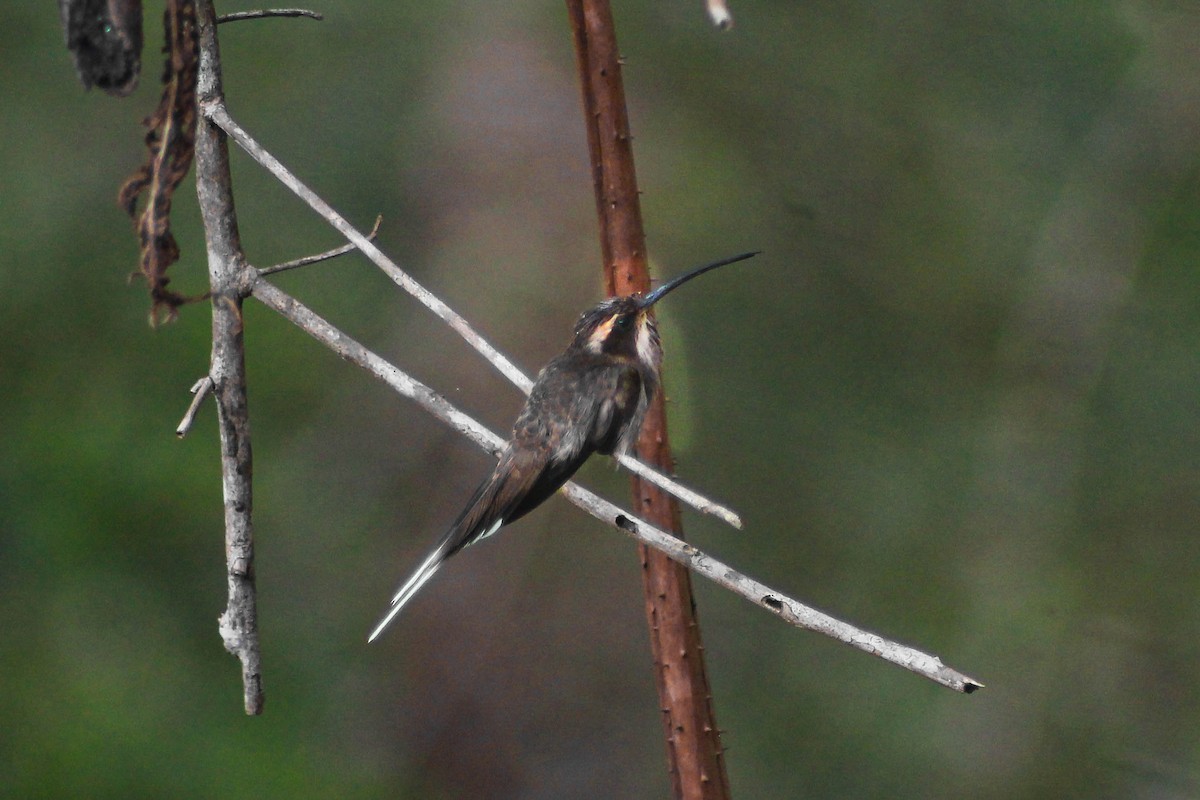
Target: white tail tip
x=409 y=589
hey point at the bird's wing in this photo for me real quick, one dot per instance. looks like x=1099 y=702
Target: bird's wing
x=503 y=497
x=564 y=433
x=619 y=416
x=539 y=482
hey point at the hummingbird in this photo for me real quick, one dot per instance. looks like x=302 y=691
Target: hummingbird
x=590 y=399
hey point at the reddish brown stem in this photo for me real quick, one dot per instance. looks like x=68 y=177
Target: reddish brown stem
x=693 y=743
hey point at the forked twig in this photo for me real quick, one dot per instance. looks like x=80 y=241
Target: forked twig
x=233 y=279
x=787 y=609
x=219 y=115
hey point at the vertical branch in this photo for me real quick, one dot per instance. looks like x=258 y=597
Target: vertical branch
x=693 y=741
x=229 y=277
x=610 y=146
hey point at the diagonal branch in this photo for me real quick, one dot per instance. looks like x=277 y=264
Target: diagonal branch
x=787 y=609
x=215 y=111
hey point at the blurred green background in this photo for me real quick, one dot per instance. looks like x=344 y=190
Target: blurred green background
x=955 y=400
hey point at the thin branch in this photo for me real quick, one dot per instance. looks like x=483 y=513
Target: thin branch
x=787 y=609
x=219 y=115
x=673 y=487
x=347 y=348
x=264 y=13
x=199 y=390
x=227 y=271
x=328 y=254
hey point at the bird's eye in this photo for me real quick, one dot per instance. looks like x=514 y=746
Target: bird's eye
x=623 y=322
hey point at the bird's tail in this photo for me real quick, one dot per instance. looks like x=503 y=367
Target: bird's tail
x=412 y=586
x=468 y=528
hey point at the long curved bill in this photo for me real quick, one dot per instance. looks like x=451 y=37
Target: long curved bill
x=675 y=283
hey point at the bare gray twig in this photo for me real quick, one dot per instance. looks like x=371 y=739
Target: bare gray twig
x=264 y=13
x=219 y=115
x=199 y=390
x=787 y=609
x=328 y=254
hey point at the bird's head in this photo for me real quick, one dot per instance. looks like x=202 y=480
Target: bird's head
x=623 y=327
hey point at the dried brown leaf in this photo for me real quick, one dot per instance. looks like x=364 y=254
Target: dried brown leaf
x=170 y=142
